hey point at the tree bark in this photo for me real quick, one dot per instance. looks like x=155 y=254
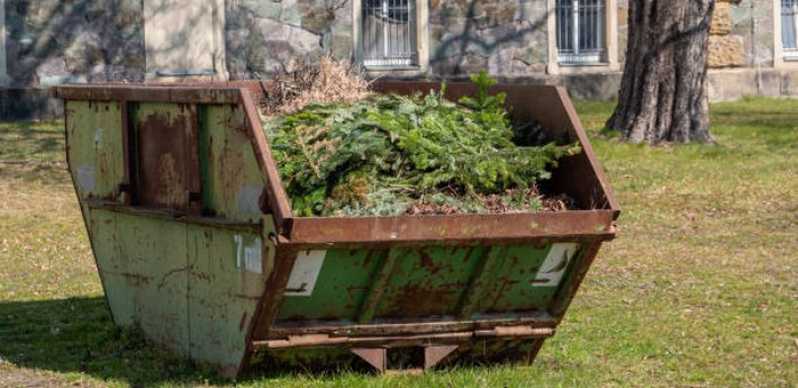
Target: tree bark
x=663 y=90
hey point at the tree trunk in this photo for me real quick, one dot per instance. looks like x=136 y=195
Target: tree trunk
x=663 y=91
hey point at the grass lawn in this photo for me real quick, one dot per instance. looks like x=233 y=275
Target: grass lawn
x=699 y=289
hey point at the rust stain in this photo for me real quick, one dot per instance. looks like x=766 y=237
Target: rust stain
x=421 y=301
x=168 y=167
x=428 y=263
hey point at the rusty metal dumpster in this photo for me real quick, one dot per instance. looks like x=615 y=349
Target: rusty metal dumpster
x=196 y=244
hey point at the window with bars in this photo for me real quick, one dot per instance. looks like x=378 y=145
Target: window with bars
x=389 y=33
x=789 y=28
x=581 y=26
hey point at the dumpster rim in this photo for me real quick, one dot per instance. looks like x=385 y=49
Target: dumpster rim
x=247 y=93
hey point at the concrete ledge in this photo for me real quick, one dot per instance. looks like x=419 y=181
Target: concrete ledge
x=729 y=85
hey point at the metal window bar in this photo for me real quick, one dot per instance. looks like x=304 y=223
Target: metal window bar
x=580 y=31
x=389 y=38
x=789 y=28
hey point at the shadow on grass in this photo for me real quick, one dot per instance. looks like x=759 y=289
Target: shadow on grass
x=33 y=151
x=45 y=140
x=77 y=335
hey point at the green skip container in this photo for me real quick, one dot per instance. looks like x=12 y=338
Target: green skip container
x=197 y=247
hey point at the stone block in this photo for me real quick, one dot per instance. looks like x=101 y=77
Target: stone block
x=730 y=85
x=726 y=51
x=721 y=19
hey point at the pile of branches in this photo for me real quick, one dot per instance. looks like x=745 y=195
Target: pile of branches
x=324 y=81
x=383 y=155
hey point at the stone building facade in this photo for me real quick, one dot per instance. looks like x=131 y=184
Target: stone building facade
x=576 y=43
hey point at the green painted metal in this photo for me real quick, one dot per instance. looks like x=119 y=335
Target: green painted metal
x=363 y=285
x=188 y=287
x=343 y=283
x=95 y=148
x=231 y=181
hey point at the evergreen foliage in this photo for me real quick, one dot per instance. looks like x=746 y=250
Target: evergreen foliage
x=385 y=154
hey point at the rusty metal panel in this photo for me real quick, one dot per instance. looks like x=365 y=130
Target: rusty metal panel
x=166 y=153
x=428 y=282
x=150 y=93
x=457 y=229
x=276 y=196
x=232 y=183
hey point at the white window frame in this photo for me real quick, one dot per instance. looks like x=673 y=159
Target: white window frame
x=422 y=40
x=609 y=62
x=578 y=56
x=782 y=57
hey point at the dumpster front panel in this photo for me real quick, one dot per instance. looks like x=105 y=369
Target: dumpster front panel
x=364 y=285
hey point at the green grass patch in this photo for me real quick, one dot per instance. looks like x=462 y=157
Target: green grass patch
x=699 y=288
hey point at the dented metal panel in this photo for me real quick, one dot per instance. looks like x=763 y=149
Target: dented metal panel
x=146 y=273
x=230 y=175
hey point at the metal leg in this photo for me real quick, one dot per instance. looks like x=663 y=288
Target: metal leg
x=376 y=357
x=435 y=354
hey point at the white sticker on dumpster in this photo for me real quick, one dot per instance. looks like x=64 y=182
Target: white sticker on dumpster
x=551 y=272
x=305 y=273
x=248 y=254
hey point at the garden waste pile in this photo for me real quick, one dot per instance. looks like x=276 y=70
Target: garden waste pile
x=343 y=151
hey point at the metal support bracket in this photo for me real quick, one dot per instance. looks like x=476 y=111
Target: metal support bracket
x=433 y=355
x=376 y=357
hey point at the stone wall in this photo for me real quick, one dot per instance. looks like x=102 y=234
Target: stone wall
x=54 y=41
x=505 y=37
x=726 y=48
x=264 y=35
x=741 y=34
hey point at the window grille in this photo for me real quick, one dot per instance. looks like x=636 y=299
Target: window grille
x=789 y=27
x=581 y=25
x=389 y=33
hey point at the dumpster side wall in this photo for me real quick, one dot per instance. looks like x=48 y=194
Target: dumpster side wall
x=190 y=286
x=192 y=289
